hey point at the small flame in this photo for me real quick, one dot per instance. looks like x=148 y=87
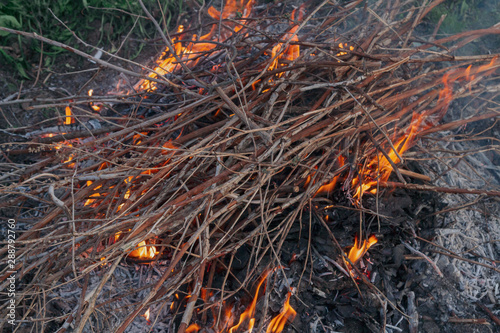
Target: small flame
x=68 y=116
x=291 y=52
x=248 y=314
x=144 y=251
x=277 y=324
x=92 y=105
x=329 y=187
x=137 y=138
x=359 y=250
x=146 y=314
x=193 y=328
x=287 y=314
x=59 y=145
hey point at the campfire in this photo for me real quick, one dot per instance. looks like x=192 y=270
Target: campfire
x=200 y=180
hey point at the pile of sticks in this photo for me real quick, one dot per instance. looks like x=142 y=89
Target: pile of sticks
x=225 y=152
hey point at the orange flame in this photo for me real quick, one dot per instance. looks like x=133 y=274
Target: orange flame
x=232 y=10
x=287 y=314
x=146 y=314
x=190 y=53
x=275 y=326
x=144 y=251
x=379 y=167
x=291 y=52
x=193 y=328
x=67 y=121
x=92 y=105
x=248 y=314
x=328 y=187
x=59 y=145
x=382 y=165
x=359 y=250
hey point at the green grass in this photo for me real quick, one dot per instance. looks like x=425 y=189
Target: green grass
x=112 y=19
x=463 y=15
x=466 y=15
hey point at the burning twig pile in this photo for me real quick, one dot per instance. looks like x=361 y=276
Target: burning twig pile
x=243 y=125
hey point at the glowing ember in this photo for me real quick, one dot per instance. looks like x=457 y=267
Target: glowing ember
x=346 y=47
x=89 y=202
x=359 y=249
x=126 y=196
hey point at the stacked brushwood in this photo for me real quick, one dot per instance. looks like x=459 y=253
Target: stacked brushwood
x=224 y=152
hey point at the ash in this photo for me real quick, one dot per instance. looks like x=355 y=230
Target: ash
x=469 y=226
x=133 y=281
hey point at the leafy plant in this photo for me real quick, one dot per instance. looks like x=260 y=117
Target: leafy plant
x=463 y=15
x=58 y=19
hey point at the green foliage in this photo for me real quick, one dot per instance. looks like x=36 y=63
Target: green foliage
x=10 y=22
x=464 y=15
x=110 y=20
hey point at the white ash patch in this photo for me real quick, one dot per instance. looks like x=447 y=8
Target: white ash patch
x=107 y=317
x=471 y=232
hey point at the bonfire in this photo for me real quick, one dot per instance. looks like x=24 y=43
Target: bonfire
x=240 y=128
